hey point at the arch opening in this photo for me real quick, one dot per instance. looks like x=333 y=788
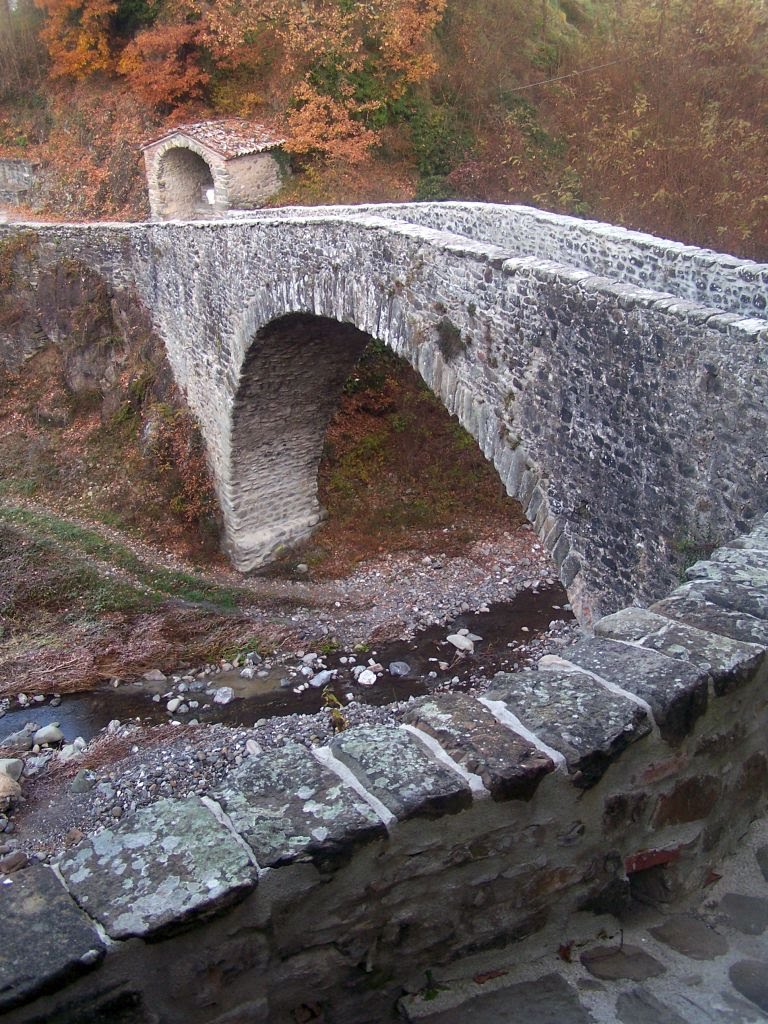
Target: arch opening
x=327 y=415
x=186 y=185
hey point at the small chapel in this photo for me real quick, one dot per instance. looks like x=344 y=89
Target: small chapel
x=208 y=168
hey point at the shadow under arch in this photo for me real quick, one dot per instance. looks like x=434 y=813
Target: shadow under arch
x=186 y=184
x=291 y=381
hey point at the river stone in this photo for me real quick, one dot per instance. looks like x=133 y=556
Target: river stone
x=393 y=766
x=224 y=695
x=461 y=643
x=675 y=691
x=399 y=668
x=322 y=678
x=10 y=791
x=46 y=940
x=750 y=979
x=747 y=914
x=48 y=734
x=160 y=866
x=21 y=740
x=154 y=676
x=14 y=861
x=611 y=963
x=690 y=936
x=574 y=714
x=693 y=607
x=288 y=807
x=730 y=662
x=12 y=766
x=639 y=1006
x=83 y=782
x=510 y=767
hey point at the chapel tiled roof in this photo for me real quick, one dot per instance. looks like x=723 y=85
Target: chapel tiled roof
x=229 y=137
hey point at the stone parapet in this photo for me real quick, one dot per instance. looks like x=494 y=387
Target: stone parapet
x=712 y=279
x=333 y=880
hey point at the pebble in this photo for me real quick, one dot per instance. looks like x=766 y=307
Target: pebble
x=223 y=695
x=399 y=668
x=461 y=643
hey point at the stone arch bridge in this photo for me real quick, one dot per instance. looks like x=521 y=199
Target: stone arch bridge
x=618 y=382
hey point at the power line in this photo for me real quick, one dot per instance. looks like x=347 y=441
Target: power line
x=571 y=74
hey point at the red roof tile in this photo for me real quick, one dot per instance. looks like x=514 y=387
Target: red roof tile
x=229 y=137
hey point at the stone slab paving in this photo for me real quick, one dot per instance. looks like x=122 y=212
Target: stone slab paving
x=697 y=608
x=572 y=713
x=393 y=766
x=288 y=807
x=702 y=961
x=730 y=662
x=510 y=766
x=731 y=588
x=45 y=941
x=676 y=692
x=160 y=866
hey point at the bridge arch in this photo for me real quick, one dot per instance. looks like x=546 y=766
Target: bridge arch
x=295 y=347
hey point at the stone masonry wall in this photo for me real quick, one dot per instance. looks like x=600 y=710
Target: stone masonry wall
x=628 y=422
x=177 y=170
x=333 y=880
x=632 y=257
x=251 y=179
x=17 y=178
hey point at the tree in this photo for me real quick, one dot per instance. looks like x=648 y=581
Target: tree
x=161 y=64
x=77 y=35
x=671 y=138
x=342 y=65
x=20 y=57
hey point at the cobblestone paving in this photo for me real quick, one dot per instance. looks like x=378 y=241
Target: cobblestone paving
x=704 y=961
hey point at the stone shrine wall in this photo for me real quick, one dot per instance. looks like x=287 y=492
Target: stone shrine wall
x=17 y=179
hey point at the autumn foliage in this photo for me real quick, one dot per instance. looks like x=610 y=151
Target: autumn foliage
x=161 y=64
x=650 y=113
x=77 y=34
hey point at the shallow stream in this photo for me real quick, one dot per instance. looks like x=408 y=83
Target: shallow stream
x=506 y=630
